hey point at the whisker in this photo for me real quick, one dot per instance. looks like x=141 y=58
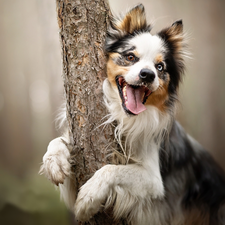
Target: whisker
x=161 y=88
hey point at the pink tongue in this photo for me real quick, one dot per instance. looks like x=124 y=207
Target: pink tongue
x=134 y=99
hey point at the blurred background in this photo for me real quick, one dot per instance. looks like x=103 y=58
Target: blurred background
x=31 y=91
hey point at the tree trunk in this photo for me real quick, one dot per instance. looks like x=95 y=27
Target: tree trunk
x=83 y=27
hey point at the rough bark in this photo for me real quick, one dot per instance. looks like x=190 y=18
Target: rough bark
x=83 y=27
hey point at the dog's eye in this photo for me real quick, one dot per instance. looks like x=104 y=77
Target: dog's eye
x=160 y=67
x=130 y=57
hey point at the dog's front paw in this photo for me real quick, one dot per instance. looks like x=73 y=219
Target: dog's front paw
x=56 y=166
x=92 y=195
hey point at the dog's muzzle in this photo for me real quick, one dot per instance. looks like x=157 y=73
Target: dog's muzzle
x=147 y=76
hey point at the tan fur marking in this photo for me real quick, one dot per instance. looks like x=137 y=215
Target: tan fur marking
x=177 y=40
x=114 y=70
x=196 y=217
x=114 y=55
x=159 y=58
x=136 y=53
x=175 y=34
x=133 y=20
x=159 y=97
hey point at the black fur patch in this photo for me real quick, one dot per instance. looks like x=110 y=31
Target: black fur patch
x=203 y=179
x=121 y=60
x=114 y=41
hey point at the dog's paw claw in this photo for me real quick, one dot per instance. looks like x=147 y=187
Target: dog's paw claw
x=92 y=197
x=86 y=208
x=55 y=168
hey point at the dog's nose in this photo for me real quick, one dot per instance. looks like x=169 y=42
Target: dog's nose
x=147 y=75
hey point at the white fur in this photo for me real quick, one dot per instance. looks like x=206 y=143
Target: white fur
x=130 y=187
x=55 y=161
x=115 y=184
x=147 y=46
x=140 y=130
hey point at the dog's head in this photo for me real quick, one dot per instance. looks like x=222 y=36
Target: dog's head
x=145 y=69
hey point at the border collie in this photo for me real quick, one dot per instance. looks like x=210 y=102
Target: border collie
x=164 y=177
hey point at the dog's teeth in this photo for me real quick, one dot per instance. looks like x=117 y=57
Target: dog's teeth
x=125 y=92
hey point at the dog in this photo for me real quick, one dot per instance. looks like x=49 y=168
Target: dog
x=166 y=178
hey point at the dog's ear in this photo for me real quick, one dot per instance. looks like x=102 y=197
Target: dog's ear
x=175 y=43
x=134 y=20
x=173 y=36
x=177 y=27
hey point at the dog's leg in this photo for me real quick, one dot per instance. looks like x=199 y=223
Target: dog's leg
x=127 y=187
x=56 y=166
x=57 y=169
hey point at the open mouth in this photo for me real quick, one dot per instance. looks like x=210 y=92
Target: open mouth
x=133 y=96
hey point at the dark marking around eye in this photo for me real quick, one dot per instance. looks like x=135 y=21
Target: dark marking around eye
x=131 y=57
x=125 y=52
x=164 y=76
x=121 y=61
x=127 y=59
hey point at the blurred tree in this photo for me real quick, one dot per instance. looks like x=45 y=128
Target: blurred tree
x=83 y=27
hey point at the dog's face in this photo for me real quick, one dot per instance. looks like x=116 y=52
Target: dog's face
x=145 y=69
